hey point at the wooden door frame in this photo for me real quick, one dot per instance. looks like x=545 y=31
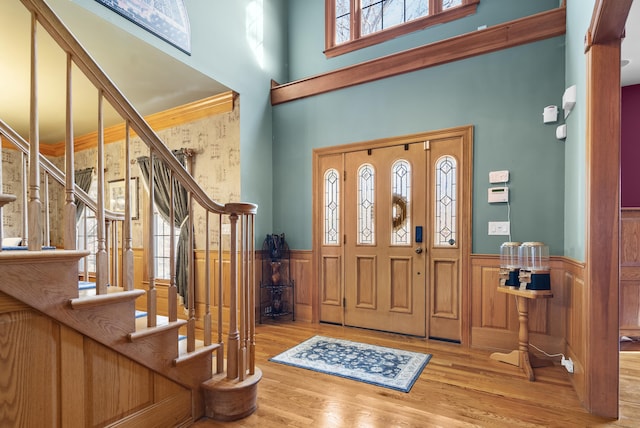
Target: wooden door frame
x=464 y=132
x=601 y=322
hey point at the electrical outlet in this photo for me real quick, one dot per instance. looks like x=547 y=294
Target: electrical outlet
x=499 y=228
x=567 y=363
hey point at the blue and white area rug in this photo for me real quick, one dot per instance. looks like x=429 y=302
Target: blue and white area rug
x=377 y=365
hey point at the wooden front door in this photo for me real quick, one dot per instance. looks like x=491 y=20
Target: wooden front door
x=395 y=228
x=385 y=267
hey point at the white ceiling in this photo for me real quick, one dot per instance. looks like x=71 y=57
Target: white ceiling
x=152 y=80
x=630 y=74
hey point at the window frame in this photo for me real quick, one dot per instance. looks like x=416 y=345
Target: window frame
x=436 y=16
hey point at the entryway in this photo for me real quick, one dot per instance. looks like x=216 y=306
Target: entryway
x=392 y=233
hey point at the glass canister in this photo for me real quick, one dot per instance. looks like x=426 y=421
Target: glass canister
x=534 y=257
x=509 y=255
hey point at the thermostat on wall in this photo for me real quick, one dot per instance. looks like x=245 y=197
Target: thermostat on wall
x=498 y=194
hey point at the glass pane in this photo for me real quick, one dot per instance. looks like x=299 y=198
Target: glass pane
x=366 y=184
x=401 y=203
x=88 y=234
x=445 y=202
x=447 y=4
x=343 y=21
x=371 y=17
x=331 y=207
x=393 y=13
x=162 y=244
x=416 y=9
x=342 y=7
x=343 y=32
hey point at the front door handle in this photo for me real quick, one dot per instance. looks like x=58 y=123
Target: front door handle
x=419 y=250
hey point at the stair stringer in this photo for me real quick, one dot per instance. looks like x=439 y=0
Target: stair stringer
x=47 y=281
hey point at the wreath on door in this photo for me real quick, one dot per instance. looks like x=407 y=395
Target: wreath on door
x=399 y=210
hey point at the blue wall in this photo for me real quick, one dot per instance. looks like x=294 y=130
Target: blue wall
x=502 y=94
x=241 y=44
x=578 y=20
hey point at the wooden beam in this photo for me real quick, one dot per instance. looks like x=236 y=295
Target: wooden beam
x=509 y=34
x=603 y=207
x=608 y=21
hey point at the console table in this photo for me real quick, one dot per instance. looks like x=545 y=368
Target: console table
x=520 y=357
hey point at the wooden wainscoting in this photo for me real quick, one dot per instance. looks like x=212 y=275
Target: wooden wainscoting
x=494 y=318
x=75 y=380
x=576 y=334
x=162 y=286
x=302 y=274
x=301 y=271
x=557 y=325
x=630 y=272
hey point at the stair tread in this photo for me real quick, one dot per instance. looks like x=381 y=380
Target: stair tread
x=200 y=349
x=102 y=299
x=142 y=330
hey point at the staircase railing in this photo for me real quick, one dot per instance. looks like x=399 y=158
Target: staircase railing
x=241 y=319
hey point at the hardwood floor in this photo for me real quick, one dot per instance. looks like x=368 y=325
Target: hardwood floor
x=458 y=388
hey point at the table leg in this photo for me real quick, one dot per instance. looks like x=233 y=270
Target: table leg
x=520 y=357
x=523 y=337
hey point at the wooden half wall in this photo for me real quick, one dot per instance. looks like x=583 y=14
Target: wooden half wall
x=53 y=376
x=630 y=272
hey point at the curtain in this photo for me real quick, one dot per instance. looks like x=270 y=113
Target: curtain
x=162 y=185
x=83 y=180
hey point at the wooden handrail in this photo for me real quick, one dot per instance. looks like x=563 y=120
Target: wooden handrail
x=241 y=330
x=103 y=83
x=54 y=172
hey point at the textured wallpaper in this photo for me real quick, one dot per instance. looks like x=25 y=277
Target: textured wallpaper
x=216 y=167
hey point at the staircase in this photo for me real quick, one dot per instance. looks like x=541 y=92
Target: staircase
x=84 y=354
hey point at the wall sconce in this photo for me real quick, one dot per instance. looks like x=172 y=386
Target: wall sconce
x=569 y=100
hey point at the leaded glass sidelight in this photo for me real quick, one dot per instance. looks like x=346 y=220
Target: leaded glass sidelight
x=366 y=204
x=331 y=207
x=445 y=201
x=401 y=203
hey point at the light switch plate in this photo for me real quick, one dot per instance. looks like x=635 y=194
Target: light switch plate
x=499 y=228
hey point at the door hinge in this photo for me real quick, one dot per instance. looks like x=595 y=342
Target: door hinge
x=344 y=176
x=344 y=302
x=427 y=145
x=344 y=239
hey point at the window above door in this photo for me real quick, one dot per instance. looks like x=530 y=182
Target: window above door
x=355 y=24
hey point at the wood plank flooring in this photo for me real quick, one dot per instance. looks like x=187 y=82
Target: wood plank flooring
x=458 y=388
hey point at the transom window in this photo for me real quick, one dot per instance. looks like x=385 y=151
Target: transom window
x=354 y=24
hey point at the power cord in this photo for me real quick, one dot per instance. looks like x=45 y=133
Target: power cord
x=567 y=363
